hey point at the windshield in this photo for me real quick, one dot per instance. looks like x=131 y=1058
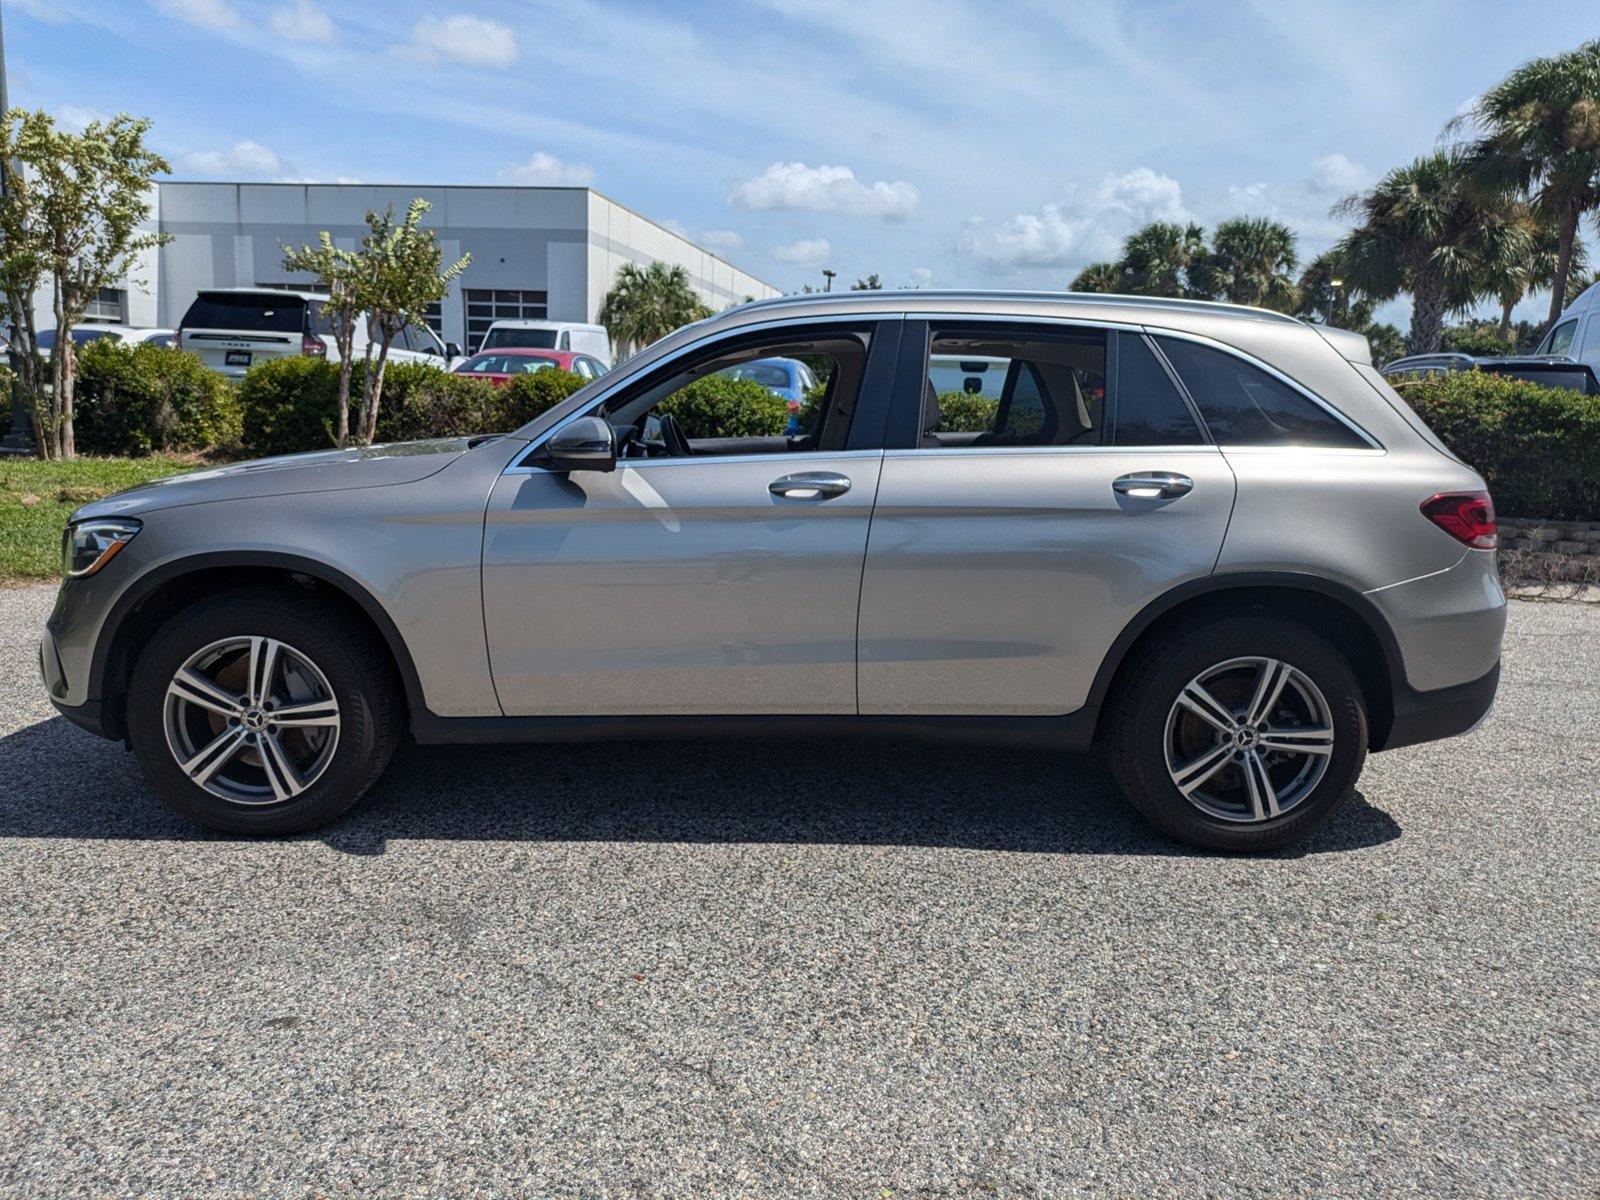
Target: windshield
x=532 y=339
x=246 y=311
x=504 y=364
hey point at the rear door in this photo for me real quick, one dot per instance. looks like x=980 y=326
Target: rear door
x=1050 y=482
x=233 y=331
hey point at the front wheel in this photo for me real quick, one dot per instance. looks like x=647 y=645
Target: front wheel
x=1238 y=734
x=262 y=713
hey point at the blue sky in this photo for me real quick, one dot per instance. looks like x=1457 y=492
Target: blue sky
x=942 y=142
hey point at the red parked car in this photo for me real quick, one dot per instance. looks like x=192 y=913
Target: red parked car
x=498 y=366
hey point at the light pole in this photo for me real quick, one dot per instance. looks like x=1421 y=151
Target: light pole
x=828 y=275
x=21 y=435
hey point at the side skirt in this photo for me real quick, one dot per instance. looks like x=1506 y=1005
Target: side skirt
x=1073 y=732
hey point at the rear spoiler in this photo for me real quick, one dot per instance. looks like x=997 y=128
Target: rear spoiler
x=1351 y=346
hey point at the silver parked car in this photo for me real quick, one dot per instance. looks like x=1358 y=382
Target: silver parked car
x=1211 y=540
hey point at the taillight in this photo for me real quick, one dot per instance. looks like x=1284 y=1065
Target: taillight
x=1466 y=516
x=311 y=346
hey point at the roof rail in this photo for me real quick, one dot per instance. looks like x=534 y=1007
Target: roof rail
x=922 y=297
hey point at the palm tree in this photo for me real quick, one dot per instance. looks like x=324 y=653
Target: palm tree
x=1101 y=277
x=1156 y=259
x=1427 y=228
x=1541 y=136
x=1251 y=261
x=647 y=303
x=1509 y=279
x=1326 y=296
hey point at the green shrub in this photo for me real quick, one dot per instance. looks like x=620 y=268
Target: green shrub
x=963 y=412
x=136 y=400
x=527 y=396
x=421 y=401
x=1469 y=339
x=290 y=405
x=716 y=407
x=1538 y=447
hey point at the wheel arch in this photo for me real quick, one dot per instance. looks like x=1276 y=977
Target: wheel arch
x=1323 y=604
x=165 y=590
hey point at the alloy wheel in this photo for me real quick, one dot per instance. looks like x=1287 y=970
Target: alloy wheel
x=251 y=720
x=1247 y=740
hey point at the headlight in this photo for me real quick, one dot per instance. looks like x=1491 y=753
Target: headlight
x=90 y=545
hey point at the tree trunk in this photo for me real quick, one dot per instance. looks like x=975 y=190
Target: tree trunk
x=61 y=364
x=1507 y=303
x=346 y=366
x=372 y=392
x=1566 y=236
x=1427 y=314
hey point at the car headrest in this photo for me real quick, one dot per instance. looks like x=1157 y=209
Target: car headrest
x=930 y=408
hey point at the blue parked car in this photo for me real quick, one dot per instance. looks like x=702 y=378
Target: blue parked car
x=786 y=377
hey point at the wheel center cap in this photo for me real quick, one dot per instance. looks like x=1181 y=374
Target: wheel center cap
x=253 y=719
x=1245 y=737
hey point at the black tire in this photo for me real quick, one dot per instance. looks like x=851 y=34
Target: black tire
x=354 y=664
x=1136 y=731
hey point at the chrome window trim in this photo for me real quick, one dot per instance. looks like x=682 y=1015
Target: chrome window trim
x=989 y=318
x=701 y=460
x=736 y=331
x=1156 y=332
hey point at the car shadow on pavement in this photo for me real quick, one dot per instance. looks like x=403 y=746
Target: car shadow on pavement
x=58 y=782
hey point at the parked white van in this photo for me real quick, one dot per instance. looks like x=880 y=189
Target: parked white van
x=549 y=335
x=233 y=329
x=1576 y=334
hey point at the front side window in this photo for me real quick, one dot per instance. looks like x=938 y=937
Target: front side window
x=722 y=403
x=1242 y=405
x=989 y=386
x=1561 y=338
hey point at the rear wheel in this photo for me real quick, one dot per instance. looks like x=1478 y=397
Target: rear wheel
x=262 y=714
x=1238 y=734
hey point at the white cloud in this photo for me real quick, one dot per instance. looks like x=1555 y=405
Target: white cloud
x=794 y=185
x=208 y=14
x=474 y=41
x=303 y=21
x=546 y=170
x=76 y=116
x=1089 y=223
x=1336 y=175
x=720 y=239
x=242 y=158
x=807 y=251
x=921 y=277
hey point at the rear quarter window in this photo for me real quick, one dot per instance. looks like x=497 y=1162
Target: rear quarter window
x=1242 y=405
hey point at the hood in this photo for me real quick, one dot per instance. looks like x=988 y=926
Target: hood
x=321 y=471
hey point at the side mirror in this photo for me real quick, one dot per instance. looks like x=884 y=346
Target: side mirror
x=452 y=349
x=587 y=444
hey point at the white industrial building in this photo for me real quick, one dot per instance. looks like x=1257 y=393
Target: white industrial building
x=536 y=251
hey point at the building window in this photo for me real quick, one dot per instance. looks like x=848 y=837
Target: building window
x=434 y=316
x=108 y=305
x=485 y=307
x=320 y=289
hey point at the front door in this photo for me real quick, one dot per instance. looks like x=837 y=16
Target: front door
x=1060 y=483
x=717 y=570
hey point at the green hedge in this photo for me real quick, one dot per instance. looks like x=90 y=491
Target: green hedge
x=527 y=396
x=717 y=406
x=1538 y=447
x=136 y=400
x=421 y=401
x=290 y=405
x=962 y=412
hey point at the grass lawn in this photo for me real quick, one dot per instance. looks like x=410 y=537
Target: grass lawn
x=37 y=497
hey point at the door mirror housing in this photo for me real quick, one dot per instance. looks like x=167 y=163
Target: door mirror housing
x=587 y=444
x=452 y=349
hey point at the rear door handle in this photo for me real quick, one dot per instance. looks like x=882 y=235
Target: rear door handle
x=810 y=485
x=1153 y=485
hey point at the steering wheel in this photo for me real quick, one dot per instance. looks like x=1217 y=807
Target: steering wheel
x=672 y=436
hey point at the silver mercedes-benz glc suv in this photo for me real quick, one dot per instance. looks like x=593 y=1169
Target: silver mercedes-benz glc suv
x=1210 y=540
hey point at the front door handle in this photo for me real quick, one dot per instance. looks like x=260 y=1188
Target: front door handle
x=1153 y=485
x=810 y=485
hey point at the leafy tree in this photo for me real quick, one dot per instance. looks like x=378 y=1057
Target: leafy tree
x=1427 y=228
x=869 y=284
x=1156 y=259
x=1251 y=261
x=1102 y=277
x=340 y=272
x=401 y=274
x=1476 y=338
x=647 y=303
x=1329 y=298
x=1540 y=135
x=73 y=212
x=1511 y=277
x=1387 y=342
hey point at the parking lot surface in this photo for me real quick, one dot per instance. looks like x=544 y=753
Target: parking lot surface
x=803 y=969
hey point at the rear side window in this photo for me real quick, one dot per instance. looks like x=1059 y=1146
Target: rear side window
x=1244 y=406
x=1149 y=411
x=246 y=311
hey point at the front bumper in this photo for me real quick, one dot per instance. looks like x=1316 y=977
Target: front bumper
x=1441 y=713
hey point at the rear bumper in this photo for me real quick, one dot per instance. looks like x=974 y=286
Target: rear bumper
x=1441 y=713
